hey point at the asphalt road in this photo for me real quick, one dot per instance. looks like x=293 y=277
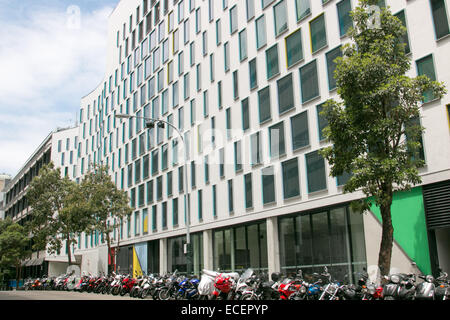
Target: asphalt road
x=59 y=295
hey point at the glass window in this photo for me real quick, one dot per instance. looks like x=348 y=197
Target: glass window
x=200 y=204
x=235 y=85
x=261 y=32
x=417 y=153
x=309 y=81
x=345 y=20
x=315 y=170
x=159 y=187
x=253 y=74
x=230 y=196
x=280 y=17
x=248 y=191
x=243 y=45
x=226 y=56
x=405 y=38
x=264 y=104
x=425 y=66
x=291 y=185
x=245 y=114
x=285 y=94
x=294 y=48
x=233 y=19
x=175 y=212
x=303 y=8
x=318 y=33
x=237 y=156
x=256 y=148
x=322 y=122
x=331 y=66
x=276 y=140
x=268 y=185
x=440 y=19
x=299 y=129
x=250 y=6
x=272 y=61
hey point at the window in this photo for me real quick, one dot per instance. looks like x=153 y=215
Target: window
x=315 y=171
x=264 y=104
x=253 y=74
x=256 y=148
x=248 y=191
x=405 y=38
x=268 y=185
x=230 y=196
x=425 y=66
x=294 y=48
x=280 y=17
x=318 y=33
x=243 y=45
x=250 y=6
x=226 y=56
x=299 y=130
x=175 y=212
x=331 y=66
x=309 y=81
x=159 y=188
x=164 y=215
x=440 y=19
x=291 y=185
x=214 y=198
x=237 y=156
x=285 y=94
x=200 y=204
x=218 y=32
x=235 y=85
x=222 y=162
x=272 y=61
x=233 y=19
x=419 y=153
x=265 y=3
x=150 y=194
x=303 y=8
x=345 y=20
x=322 y=122
x=276 y=140
x=261 y=32
x=245 y=114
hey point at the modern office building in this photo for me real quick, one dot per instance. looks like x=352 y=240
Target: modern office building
x=4 y=180
x=244 y=81
x=58 y=147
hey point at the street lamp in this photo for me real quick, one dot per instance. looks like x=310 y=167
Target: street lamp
x=150 y=123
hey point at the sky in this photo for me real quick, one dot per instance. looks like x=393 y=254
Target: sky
x=52 y=53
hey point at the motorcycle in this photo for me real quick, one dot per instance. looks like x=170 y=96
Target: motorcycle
x=260 y=289
x=127 y=284
x=188 y=289
x=399 y=287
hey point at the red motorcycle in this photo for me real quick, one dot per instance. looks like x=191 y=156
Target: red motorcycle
x=288 y=287
x=127 y=284
x=223 y=285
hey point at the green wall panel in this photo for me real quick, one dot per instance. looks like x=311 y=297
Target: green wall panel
x=410 y=230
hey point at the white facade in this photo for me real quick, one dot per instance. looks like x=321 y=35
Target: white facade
x=197 y=55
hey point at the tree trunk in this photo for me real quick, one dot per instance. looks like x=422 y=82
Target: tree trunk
x=68 y=250
x=387 y=238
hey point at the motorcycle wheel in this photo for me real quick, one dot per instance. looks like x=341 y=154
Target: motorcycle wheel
x=105 y=289
x=164 y=294
x=123 y=292
x=389 y=298
x=115 y=291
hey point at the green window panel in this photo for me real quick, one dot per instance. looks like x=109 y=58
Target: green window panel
x=291 y=184
x=425 y=66
x=299 y=130
x=303 y=8
x=261 y=38
x=285 y=94
x=440 y=19
x=248 y=191
x=331 y=66
x=405 y=38
x=245 y=114
x=309 y=81
x=243 y=45
x=268 y=185
x=345 y=21
x=272 y=66
x=280 y=17
x=264 y=104
x=321 y=122
x=315 y=172
x=294 y=48
x=318 y=33
x=253 y=74
x=277 y=140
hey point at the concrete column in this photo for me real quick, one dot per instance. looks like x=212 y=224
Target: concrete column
x=163 y=258
x=208 y=261
x=273 y=248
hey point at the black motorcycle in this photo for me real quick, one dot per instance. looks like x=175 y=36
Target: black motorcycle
x=400 y=286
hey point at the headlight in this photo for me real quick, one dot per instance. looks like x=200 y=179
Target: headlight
x=394 y=278
x=303 y=289
x=429 y=279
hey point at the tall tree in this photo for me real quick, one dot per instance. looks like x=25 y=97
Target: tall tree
x=13 y=246
x=105 y=202
x=374 y=131
x=58 y=211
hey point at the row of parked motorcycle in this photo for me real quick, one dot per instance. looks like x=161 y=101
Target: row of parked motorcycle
x=251 y=286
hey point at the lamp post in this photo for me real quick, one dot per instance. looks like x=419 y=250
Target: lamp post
x=150 y=123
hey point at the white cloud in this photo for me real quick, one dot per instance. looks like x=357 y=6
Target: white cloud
x=46 y=68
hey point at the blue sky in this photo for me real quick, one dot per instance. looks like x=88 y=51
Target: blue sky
x=50 y=57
